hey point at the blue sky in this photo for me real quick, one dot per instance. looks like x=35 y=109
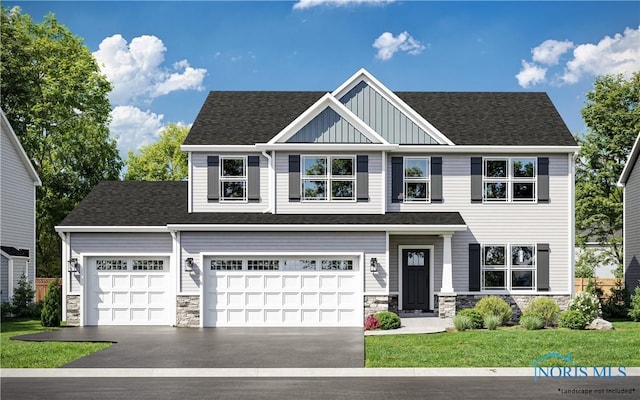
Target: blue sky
x=164 y=57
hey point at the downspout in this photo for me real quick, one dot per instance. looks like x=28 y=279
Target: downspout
x=272 y=189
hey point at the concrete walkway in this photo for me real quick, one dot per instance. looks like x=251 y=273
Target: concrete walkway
x=416 y=325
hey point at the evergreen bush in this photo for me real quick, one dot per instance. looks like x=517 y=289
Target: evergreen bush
x=493 y=305
x=476 y=317
x=52 y=305
x=544 y=308
x=573 y=319
x=388 y=320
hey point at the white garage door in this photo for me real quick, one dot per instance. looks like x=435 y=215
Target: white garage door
x=267 y=291
x=128 y=291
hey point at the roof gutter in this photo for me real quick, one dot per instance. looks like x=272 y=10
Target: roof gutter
x=318 y=228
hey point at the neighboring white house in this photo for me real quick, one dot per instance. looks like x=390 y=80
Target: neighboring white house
x=18 y=181
x=630 y=180
x=315 y=209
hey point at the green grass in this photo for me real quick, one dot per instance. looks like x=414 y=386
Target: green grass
x=506 y=347
x=20 y=354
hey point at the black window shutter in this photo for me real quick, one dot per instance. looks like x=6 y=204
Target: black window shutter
x=397 y=180
x=542 y=253
x=362 y=176
x=294 y=177
x=213 y=178
x=543 y=179
x=436 y=179
x=476 y=179
x=474 y=267
x=253 y=178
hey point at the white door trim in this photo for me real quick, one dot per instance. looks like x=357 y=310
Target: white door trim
x=431 y=249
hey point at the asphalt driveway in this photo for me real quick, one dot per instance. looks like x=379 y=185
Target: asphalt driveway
x=168 y=347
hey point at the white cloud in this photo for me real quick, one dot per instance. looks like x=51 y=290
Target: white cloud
x=530 y=74
x=303 y=4
x=615 y=55
x=135 y=69
x=388 y=45
x=612 y=55
x=549 y=51
x=134 y=128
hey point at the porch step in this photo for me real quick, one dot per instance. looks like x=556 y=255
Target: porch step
x=417 y=314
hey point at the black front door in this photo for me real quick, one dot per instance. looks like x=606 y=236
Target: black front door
x=415 y=279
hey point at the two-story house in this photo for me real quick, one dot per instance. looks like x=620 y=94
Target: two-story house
x=315 y=209
x=630 y=181
x=18 y=182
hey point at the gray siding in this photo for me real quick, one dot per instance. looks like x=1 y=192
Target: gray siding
x=17 y=194
x=328 y=127
x=507 y=223
x=373 y=206
x=632 y=228
x=193 y=244
x=384 y=117
x=414 y=240
x=115 y=244
x=4 y=279
x=199 y=200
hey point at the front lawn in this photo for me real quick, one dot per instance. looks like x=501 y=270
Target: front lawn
x=20 y=354
x=506 y=347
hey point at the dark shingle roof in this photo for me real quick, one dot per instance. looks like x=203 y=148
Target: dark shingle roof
x=132 y=203
x=466 y=118
x=12 y=251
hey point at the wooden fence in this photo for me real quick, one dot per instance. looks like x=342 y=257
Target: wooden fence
x=41 y=287
x=580 y=285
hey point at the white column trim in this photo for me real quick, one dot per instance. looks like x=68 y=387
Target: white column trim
x=447 y=265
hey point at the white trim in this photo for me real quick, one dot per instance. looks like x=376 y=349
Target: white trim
x=10 y=277
x=272 y=182
x=175 y=276
x=386 y=255
x=21 y=153
x=572 y=222
x=508 y=267
x=244 y=178
x=395 y=229
x=328 y=177
x=383 y=194
x=431 y=249
x=628 y=167
x=112 y=229
x=9 y=256
x=320 y=147
x=190 y=184
x=509 y=180
x=487 y=149
x=365 y=76
x=317 y=108
x=425 y=179
x=218 y=148
x=506 y=293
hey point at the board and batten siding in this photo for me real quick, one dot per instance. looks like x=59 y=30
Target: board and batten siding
x=328 y=127
x=114 y=244
x=384 y=117
x=285 y=206
x=199 y=199
x=372 y=244
x=632 y=228
x=502 y=223
x=17 y=202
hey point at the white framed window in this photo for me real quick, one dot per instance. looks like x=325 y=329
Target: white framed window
x=417 y=179
x=233 y=179
x=512 y=179
x=282 y=264
x=325 y=178
x=130 y=264
x=508 y=267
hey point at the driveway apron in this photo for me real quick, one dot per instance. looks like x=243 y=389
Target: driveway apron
x=168 y=347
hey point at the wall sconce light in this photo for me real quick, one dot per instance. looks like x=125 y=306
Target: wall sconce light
x=373 y=264
x=188 y=264
x=72 y=265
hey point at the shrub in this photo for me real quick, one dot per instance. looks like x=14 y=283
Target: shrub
x=52 y=307
x=493 y=305
x=371 y=323
x=545 y=308
x=22 y=304
x=475 y=315
x=532 y=322
x=462 y=322
x=388 y=320
x=634 y=310
x=617 y=305
x=492 y=322
x=573 y=319
x=588 y=304
x=6 y=309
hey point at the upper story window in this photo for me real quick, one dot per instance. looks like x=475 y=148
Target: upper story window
x=328 y=178
x=508 y=267
x=233 y=179
x=509 y=179
x=417 y=179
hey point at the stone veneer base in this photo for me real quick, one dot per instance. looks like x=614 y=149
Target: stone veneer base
x=379 y=303
x=188 y=311
x=73 y=310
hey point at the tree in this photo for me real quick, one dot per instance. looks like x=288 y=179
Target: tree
x=55 y=98
x=612 y=117
x=160 y=161
x=52 y=305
